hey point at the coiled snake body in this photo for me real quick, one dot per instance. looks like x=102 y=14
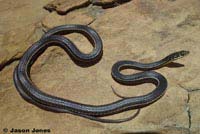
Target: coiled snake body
x=32 y=94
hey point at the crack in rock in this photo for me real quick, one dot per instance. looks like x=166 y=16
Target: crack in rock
x=190 y=20
x=18 y=54
x=62 y=6
x=178 y=128
x=188 y=106
x=189 y=89
x=8 y=62
x=194 y=89
x=91 y=22
x=188 y=111
x=46 y=27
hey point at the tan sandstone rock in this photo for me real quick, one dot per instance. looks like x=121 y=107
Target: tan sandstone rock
x=19 y=26
x=83 y=16
x=64 y=6
x=139 y=30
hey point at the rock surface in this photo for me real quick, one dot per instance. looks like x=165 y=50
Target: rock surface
x=19 y=27
x=138 y=30
x=64 y=6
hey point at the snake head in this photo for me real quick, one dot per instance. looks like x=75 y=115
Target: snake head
x=178 y=54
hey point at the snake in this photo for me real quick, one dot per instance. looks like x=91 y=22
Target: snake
x=53 y=37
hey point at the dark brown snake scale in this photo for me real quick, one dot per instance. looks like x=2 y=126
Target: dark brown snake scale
x=30 y=92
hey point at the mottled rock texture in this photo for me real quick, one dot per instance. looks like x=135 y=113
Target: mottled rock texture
x=19 y=27
x=139 y=30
